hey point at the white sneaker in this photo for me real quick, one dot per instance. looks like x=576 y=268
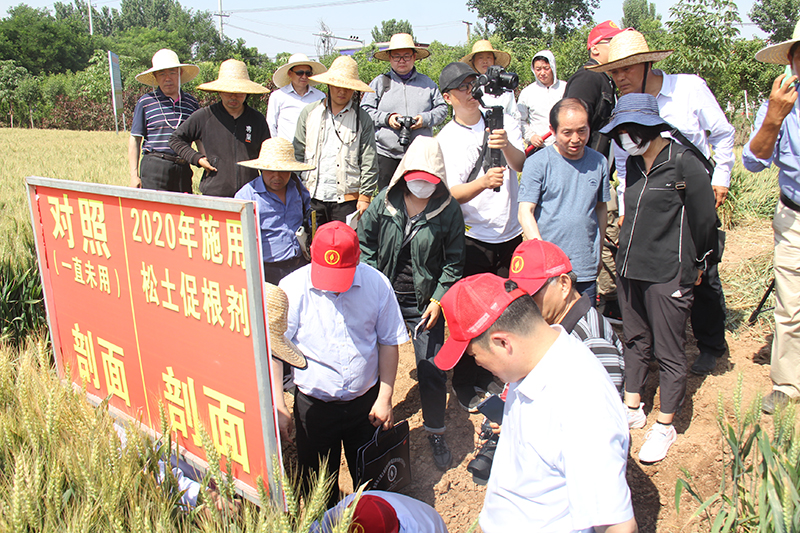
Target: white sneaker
x=657 y=443
x=636 y=417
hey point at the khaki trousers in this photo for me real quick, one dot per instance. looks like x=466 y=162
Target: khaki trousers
x=785 y=364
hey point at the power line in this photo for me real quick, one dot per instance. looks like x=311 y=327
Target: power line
x=270 y=36
x=305 y=6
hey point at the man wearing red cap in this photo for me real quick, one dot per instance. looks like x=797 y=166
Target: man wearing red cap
x=384 y=512
x=343 y=315
x=560 y=465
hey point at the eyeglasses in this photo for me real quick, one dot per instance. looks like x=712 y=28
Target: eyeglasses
x=301 y=73
x=465 y=87
x=404 y=57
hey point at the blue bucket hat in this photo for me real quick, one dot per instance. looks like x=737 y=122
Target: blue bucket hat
x=636 y=108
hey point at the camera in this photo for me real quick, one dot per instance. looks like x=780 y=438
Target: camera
x=405 y=130
x=496 y=81
x=481 y=466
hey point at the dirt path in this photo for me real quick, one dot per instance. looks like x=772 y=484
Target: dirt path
x=698 y=448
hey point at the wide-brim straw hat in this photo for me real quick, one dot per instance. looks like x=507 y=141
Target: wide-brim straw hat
x=636 y=108
x=166 y=59
x=277 y=311
x=233 y=78
x=343 y=73
x=281 y=77
x=779 y=53
x=401 y=41
x=629 y=48
x=501 y=58
x=277 y=154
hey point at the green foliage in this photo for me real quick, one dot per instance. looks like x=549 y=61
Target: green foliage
x=641 y=14
x=776 y=18
x=384 y=32
x=761 y=478
x=21 y=302
x=534 y=19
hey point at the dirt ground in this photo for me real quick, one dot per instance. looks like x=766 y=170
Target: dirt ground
x=699 y=448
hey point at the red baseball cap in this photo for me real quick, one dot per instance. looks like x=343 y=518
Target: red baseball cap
x=471 y=306
x=374 y=515
x=334 y=257
x=604 y=30
x=536 y=261
x=421 y=175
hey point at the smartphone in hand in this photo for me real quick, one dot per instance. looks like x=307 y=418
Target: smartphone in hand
x=492 y=408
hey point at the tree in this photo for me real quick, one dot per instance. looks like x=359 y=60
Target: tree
x=641 y=15
x=11 y=75
x=534 y=19
x=776 y=17
x=388 y=28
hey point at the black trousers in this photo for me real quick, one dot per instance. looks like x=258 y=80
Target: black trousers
x=330 y=211
x=654 y=319
x=275 y=271
x=163 y=175
x=708 y=314
x=386 y=168
x=483 y=257
x=322 y=428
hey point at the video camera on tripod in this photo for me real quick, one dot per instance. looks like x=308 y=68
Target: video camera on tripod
x=496 y=81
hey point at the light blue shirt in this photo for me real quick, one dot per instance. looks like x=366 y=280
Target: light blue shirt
x=786 y=154
x=340 y=333
x=279 y=221
x=284 y=108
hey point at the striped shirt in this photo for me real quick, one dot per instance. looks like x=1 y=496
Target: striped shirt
x=583 y=322
x=156 y=116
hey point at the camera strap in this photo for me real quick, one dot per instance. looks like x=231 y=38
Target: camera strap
x=481 y=157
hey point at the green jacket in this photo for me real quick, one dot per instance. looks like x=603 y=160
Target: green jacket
x=437 y=249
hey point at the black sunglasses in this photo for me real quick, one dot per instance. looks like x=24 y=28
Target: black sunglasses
x=302 y=73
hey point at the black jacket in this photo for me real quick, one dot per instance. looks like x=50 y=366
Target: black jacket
x=597 y=90
x=227 y=141
x=670 y=220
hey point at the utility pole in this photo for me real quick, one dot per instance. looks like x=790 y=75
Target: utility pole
x=469 y=26
x=220 y=14
x=91 y=27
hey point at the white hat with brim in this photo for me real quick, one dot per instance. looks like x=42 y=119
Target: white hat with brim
x=281 y=76
x=277 y=154
x=778 y=54
x=343 y=73
x=629 y=48
x=166 y=59
x=502 y=59
x=277 y=304
x=233 y=78
x=401 y=41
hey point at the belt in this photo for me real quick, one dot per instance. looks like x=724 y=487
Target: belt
x=788 y=203
x=173 y=158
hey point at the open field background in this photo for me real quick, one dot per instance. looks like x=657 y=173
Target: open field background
x=30 y=443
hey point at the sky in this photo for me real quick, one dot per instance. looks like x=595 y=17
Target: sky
x=281 y=26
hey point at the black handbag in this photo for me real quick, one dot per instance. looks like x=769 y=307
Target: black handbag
x=384 y=462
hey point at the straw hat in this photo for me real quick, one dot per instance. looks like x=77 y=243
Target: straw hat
x=501 y=58
x=233 y=78
x=281 y=76
x=401 y=41
x=277 y=310
x=779 y=53
x=629 y=48
x=165 y=59
x=277 y=153
x=343 y=73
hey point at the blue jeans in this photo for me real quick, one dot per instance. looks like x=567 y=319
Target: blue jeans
x=432 y=381
x=588 y=288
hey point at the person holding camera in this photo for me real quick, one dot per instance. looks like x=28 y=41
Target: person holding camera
x=536 y=100
x=405 y=104
x=560 y=464
x=482 y=57
x=488 y=197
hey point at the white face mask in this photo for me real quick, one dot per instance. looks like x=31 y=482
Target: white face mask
x=631 y=147
x=421 y=188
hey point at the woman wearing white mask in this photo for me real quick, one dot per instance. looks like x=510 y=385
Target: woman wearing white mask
x=667 y=240
x=413 y=232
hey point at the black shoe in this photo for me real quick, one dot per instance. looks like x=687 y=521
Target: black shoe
x=704 y=364
x=492 y=388
x=441 y=453
x=612 y=312
x=776 y=400
x=468 y=397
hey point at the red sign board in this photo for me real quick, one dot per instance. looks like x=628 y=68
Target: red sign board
x=155 y=299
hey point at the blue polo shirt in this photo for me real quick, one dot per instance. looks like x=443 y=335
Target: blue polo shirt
x=156 y=116
x=278 y=221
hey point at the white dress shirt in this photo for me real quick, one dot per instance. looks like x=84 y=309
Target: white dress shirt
x=284 y=107
x=686 y=102
x=340 y=333
x=561 y=459
x=535 y=102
